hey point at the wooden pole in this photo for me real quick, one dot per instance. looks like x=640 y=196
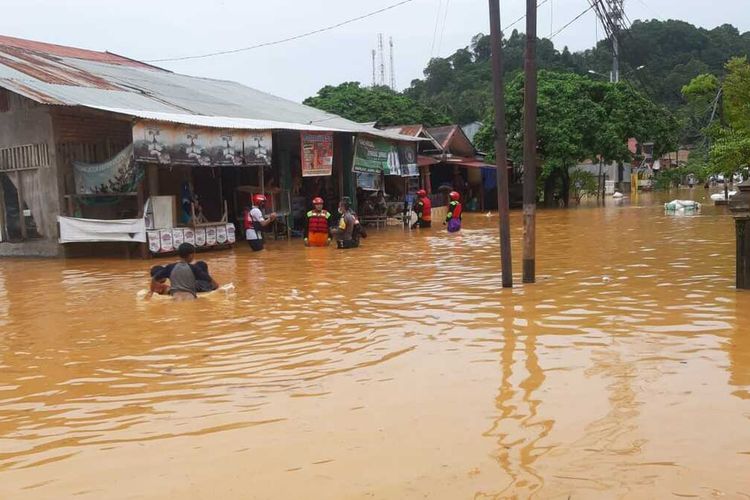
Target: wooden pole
x=501 y=155
x=529 y=147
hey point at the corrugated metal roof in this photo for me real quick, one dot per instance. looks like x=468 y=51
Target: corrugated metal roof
x=223 y=122
x=57 y=75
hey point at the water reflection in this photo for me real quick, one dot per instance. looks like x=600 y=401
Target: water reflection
x=348 y=365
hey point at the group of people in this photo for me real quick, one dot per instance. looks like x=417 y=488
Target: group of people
x=319 y=231
x=186 y=278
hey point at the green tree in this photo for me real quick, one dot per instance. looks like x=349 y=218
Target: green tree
x=579 y=119
x=380 y=104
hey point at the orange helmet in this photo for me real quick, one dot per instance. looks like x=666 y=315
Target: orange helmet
x=317 y=200
x=258 y=199
x=454 y=196
x=421 y=192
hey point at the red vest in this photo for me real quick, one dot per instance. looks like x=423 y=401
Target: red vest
x=426 y=209
x=247 y=221
x=455 y=209
x=317 y=222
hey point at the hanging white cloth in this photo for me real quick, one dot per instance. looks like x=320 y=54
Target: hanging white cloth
x=76 y=230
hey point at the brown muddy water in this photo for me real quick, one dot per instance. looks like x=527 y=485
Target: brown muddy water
x=397 y=370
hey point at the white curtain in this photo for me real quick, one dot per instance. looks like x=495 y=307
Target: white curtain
x=32 y=196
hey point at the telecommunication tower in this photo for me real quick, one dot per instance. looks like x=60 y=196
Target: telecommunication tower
x=374 y=80
x=382 y=59
x=393 y=70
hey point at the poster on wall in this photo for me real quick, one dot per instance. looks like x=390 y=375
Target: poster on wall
x=117 y=175
x=175 y=144
x=317 y=153
x=407 y=156
x=375 y=156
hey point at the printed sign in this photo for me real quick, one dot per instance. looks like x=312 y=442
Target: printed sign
x=174 y=144
x=200 y=237
x=407 y=157
x=317 y=153
x=231 y=237
x=375 y=156
x=221 y=235
x=167 y=243
x=154 y=243
x=210 y=236
x=178 y=237
x=189 y=236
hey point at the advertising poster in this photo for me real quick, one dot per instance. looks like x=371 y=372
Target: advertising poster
x=317 y=153
x=174 y=144
x=375 y=156
x=407 y=156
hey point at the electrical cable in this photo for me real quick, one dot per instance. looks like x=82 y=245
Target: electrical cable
x=283 y=40
x=442 y=30
x=434 y=32
x=553 y=35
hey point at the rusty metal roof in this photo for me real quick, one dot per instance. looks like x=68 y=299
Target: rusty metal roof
x=67 y=76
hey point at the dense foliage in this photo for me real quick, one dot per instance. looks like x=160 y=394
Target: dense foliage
x=380 y=104
x=579 y=119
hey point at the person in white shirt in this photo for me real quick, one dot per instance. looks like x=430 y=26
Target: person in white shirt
x=256 y=222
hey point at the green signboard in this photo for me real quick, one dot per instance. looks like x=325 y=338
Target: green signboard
x=375 y=156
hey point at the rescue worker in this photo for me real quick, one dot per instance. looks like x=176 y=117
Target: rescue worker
x=349 y=229
x=423 y=209
x=255 y=222
x=453 y=217
x=318 y=232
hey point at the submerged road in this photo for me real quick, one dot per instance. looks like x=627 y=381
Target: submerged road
x=397 y=370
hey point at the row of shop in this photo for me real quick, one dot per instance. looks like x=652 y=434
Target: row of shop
x=97 y=150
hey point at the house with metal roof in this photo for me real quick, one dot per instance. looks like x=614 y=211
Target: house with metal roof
x=92 y=136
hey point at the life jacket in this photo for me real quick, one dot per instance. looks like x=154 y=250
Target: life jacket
x=247 y=221
x=455 y=208
x=317 y=222
x=426 y=208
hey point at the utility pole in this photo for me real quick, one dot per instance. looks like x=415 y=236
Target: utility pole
x=529 y=147
x=393 y=69
x=611 y=13
x=501 y=155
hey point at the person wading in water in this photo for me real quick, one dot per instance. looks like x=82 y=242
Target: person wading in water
x=256 y=222
x=423 y=209
x=318 y=232
x=453 y=217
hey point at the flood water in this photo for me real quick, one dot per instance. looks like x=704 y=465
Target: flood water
x=397 y=370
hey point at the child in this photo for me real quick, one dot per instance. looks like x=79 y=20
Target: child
x=159 y=283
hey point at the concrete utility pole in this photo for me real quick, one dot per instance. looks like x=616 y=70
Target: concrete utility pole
x=611 y=13
x=501 y=162
x=529 y=147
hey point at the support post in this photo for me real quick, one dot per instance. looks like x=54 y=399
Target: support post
x=742 y=228
x=529 y=147
x=501 y=155
x=21 y=216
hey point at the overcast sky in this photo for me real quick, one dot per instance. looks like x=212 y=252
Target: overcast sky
x=169 y=28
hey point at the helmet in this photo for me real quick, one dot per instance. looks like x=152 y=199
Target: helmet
x=317 y=200
x=421 y=192
x=454 y=196
x=258 y=199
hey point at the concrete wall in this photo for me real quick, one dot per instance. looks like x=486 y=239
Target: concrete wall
x=23 y=121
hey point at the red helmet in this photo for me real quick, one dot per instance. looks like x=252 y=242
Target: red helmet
x=317 y=200
x=454 y=196
x=258 y=199
x=421 y=192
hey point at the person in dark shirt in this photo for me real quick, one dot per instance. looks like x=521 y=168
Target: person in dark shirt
x=201 y=280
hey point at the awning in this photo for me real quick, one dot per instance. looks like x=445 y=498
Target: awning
x=468 y=163
x=426 y=161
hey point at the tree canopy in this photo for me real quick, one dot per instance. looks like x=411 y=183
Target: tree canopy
x=579 y=119
x=379 y=104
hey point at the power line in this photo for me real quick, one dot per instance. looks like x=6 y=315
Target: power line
x=553 y=35
x=434 y=32
x=288 y=39
x=523 y=16
x=442 y=30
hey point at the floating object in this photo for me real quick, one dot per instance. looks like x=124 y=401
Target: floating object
x=617 y=195
x=682 y=206
x=720 y=196
x=226 y=289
